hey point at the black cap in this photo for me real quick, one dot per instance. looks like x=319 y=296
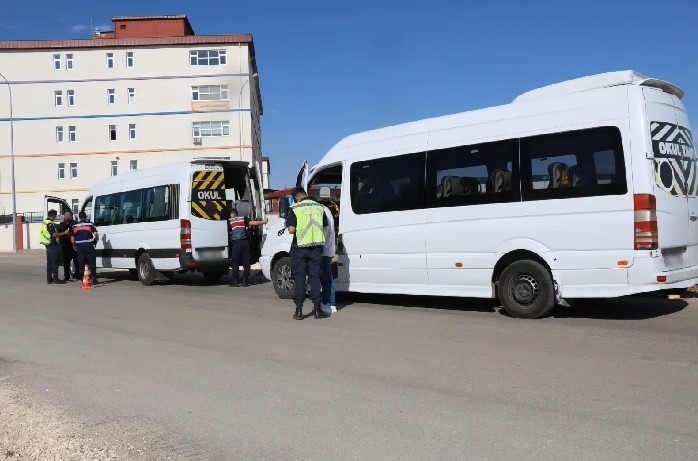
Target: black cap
x=82 y=215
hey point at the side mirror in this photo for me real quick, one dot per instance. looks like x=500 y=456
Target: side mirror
x=284 y=207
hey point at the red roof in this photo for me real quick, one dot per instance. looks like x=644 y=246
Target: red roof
x=147 y=18
x=125 y=42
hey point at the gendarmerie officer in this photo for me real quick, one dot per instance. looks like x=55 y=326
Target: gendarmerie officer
x=240 y=247
x=67 y=250
x=48 y=239
x=306 y=221
x=84 y=234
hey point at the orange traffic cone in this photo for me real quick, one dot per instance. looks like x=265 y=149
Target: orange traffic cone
x=87 y=279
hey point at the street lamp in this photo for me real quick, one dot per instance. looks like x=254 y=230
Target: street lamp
x=12 y=162
x=240 y=112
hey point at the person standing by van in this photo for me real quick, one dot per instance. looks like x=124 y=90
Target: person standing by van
x=306 y=221
x=240 y=247
x=328 y=252
x=48 y=239
x=83 y=236
x=69 y=255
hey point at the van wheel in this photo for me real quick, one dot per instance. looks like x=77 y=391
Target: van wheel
x=526 y=290
x=282 y=278
x=146 y=271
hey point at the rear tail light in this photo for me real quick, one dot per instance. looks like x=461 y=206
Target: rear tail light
x=185 y=234
x=646 y=233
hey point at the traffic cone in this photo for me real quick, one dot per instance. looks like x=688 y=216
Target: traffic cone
x=87 y=279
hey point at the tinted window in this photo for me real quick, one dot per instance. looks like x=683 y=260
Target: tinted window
x=142 y=205
x=388 y=184
x=468 y=175
x=582 y=163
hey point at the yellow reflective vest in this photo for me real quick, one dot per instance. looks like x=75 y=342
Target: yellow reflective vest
x=47 y=230
x=309 y=228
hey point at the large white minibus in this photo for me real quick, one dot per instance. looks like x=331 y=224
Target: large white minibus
x=172 y=218
x=582 y=189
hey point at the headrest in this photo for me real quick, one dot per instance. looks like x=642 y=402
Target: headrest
x=452 y=186
x=559 y=175
x=501 y=180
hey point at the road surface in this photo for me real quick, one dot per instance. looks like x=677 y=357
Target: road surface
x=209 y=372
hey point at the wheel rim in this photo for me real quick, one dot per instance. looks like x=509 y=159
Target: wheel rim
x=284 y=278
x=524 y=289
x=143 y=270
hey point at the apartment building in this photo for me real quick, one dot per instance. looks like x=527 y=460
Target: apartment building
x=148 y=93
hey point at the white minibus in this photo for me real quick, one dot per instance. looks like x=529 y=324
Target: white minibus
x=582 y=189
x=172 y=218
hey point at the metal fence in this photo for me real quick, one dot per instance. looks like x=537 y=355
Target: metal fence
x=31 y=216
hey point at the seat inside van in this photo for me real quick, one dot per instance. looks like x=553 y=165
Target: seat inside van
x=501 y=180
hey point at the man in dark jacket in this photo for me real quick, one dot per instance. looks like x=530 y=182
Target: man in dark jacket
x=67 y=251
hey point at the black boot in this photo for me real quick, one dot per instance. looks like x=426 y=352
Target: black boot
x=245 y=283
x=233 y=283
x=299 y=313
x=319 y=313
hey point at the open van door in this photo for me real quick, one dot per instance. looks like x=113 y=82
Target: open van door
x=55 y=203
x=302 y=178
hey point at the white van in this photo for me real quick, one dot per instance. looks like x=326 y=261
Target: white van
x=583 y=189
x=172 y=218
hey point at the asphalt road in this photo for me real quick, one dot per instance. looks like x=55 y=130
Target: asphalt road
x=219 y=373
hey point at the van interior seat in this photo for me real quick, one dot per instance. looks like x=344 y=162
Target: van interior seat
x=471 y=186
x=559 y=175
x=501 y=180
x=452 y=185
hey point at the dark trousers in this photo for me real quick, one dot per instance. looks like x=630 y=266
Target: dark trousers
x=52 y=256
x=327 y=281
x=240 y=256
x=87 y=255
x=306 y=262
x=70 y=255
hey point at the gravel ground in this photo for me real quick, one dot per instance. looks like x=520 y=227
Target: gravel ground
x=31 y=431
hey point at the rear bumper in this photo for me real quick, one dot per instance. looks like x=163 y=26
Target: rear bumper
x=187 y=262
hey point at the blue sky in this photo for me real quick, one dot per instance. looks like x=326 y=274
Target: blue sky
x=328 y=69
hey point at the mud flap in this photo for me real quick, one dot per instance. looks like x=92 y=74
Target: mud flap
x=558 y=297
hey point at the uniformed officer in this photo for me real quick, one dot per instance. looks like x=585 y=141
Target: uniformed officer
x=240 y=247
x=84 y=235
x=306 y=221
x=67 y=251
x=47 y=239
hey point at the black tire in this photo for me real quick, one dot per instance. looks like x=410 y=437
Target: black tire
x=213 y=277
x=133 y=274
x=526 y=290
x=146 y=271
x=282 y=279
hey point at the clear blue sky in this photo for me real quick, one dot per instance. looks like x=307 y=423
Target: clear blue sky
x=330 y=68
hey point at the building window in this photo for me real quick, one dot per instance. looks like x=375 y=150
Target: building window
x=61 y=171
x=73 y=171
x=209 y=129
x=129 y=59
x=134 y=164
x=114 y=167
x=58 y=95
x=56 y=62
x=59 y=134
x=69 y=61
x=209 y=93
x=112 y=132
x=110 y=60
x=72 y=136
x=207 y=57
x=111 y=96
x=71 y=97
x=132 y=131
x=131 y=95
x=74 y=205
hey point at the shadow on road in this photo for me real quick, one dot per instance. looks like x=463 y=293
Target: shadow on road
x=188 y=279
x=628 y=308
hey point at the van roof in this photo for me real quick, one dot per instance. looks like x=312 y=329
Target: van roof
x=593 y=82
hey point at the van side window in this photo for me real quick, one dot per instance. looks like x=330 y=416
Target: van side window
x=106 y=210
x=470 y=175
x=388 y=184
x=157 y=204
x=130 y=207
x=583 y=163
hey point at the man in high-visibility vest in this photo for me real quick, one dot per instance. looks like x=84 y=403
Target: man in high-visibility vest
x=47 y=239
x=306 y=221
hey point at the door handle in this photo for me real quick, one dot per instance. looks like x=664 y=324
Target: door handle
x=694 y=218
